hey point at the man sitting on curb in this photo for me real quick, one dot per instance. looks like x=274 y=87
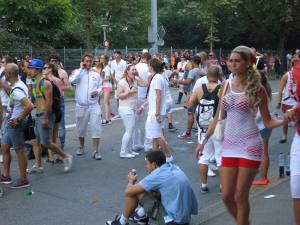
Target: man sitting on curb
x=166 y=194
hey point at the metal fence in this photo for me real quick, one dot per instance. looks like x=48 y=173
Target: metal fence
x=71 y=58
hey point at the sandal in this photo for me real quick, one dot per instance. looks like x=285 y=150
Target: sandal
x=50 y=161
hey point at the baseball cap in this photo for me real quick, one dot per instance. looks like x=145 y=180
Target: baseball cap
x=36 y=64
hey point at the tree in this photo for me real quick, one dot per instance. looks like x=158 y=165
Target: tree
x=36 y=21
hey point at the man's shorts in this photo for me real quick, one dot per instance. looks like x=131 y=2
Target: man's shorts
x=153 y=128
x=14 y=136
x=44 y=135
x=90 y=115
x=153 y=207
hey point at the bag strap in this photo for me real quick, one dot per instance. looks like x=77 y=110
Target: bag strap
x=148 y=88
x=224 y=90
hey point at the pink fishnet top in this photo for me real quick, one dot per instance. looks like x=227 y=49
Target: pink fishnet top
x=241 y=137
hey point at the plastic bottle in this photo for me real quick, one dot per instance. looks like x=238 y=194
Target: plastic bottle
x=29 y=191
x=281 y=164
x=287 y=165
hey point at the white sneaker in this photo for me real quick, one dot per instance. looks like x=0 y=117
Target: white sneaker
x=169 y=159
x=213 y=167
x=126 y=155
x=1 y=158
x=68 y=163
x=80 y=151
x=134 y=153
x=96 y=155
x=211 y=173
x=35 y=169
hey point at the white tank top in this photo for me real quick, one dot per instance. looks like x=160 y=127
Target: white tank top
x=286 y=98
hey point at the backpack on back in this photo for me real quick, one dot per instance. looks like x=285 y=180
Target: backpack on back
x=207 y=106
x=55 y=96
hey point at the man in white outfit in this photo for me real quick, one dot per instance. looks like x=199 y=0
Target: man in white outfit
x=88 y=110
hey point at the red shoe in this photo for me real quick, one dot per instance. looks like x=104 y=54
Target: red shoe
x=184 y=136
x=261 y=182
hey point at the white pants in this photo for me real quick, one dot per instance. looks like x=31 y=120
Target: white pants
x=212 y=148
x=129 y=118
x=85 y=115
x=153 y=128
x=295 y=167
x=139 y=123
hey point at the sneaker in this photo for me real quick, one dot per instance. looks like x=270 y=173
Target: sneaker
x=80 y=151
x=116 y=221
x=213 y=167
x=138 y=148
x=134 y=153
x=35 y=169
x=1 y=158
x=169 y=159
x=5 y=180
x=49 y=161
x=204 y=189
x=126 y=155
x=20 y=184
x=68 y=163
x=171 y=128
x=106 y=122
x=116 y=117
x=96 y=155
x=211 y=173
x=141 y=220
x=184 y=136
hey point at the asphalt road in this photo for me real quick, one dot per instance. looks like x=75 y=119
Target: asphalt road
x=92 y=191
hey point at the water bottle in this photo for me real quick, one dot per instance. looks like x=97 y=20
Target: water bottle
x=281 y=164
x=287 y=165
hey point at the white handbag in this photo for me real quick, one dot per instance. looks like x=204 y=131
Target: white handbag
x=220 y=127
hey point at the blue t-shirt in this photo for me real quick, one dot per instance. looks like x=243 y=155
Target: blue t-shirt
x=177 y=195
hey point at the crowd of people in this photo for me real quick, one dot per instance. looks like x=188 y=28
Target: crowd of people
x=228 y=99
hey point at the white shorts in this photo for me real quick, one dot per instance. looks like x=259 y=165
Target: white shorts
x=169 y=106
x=212 y=148
x=90 y=115
x=153 y=128
x=295 y=167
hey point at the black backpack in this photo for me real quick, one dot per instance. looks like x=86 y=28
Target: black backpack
x=207 y=106
x=55 y=96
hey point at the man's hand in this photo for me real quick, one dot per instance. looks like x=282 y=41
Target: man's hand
x=45 y=123
x=199 y=150
x=132 y=178
x=139 y=111
x=158 y=119
x=14 y=122
x=82 y=65
x=290 y=115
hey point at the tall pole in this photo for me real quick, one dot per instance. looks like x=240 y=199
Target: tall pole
x=154 y=23
x=104 y=27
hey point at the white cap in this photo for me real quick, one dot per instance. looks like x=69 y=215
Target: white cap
x=145 y=50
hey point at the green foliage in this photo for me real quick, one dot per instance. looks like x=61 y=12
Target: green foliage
x=188 y=23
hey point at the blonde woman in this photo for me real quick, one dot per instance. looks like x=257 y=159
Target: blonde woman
x=128 y=105
x=242 y=146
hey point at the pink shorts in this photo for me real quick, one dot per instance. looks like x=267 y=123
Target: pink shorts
x=107 y=89
x=239 y=162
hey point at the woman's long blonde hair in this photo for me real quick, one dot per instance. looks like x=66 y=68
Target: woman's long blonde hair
x=251 y=80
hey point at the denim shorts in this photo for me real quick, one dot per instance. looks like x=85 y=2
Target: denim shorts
x=265 y=133
x=44 y=136
x=14 y=136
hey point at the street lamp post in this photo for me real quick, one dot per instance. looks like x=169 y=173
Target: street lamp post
x=104 y=27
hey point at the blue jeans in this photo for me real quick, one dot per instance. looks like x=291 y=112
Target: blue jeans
x=62 y=128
